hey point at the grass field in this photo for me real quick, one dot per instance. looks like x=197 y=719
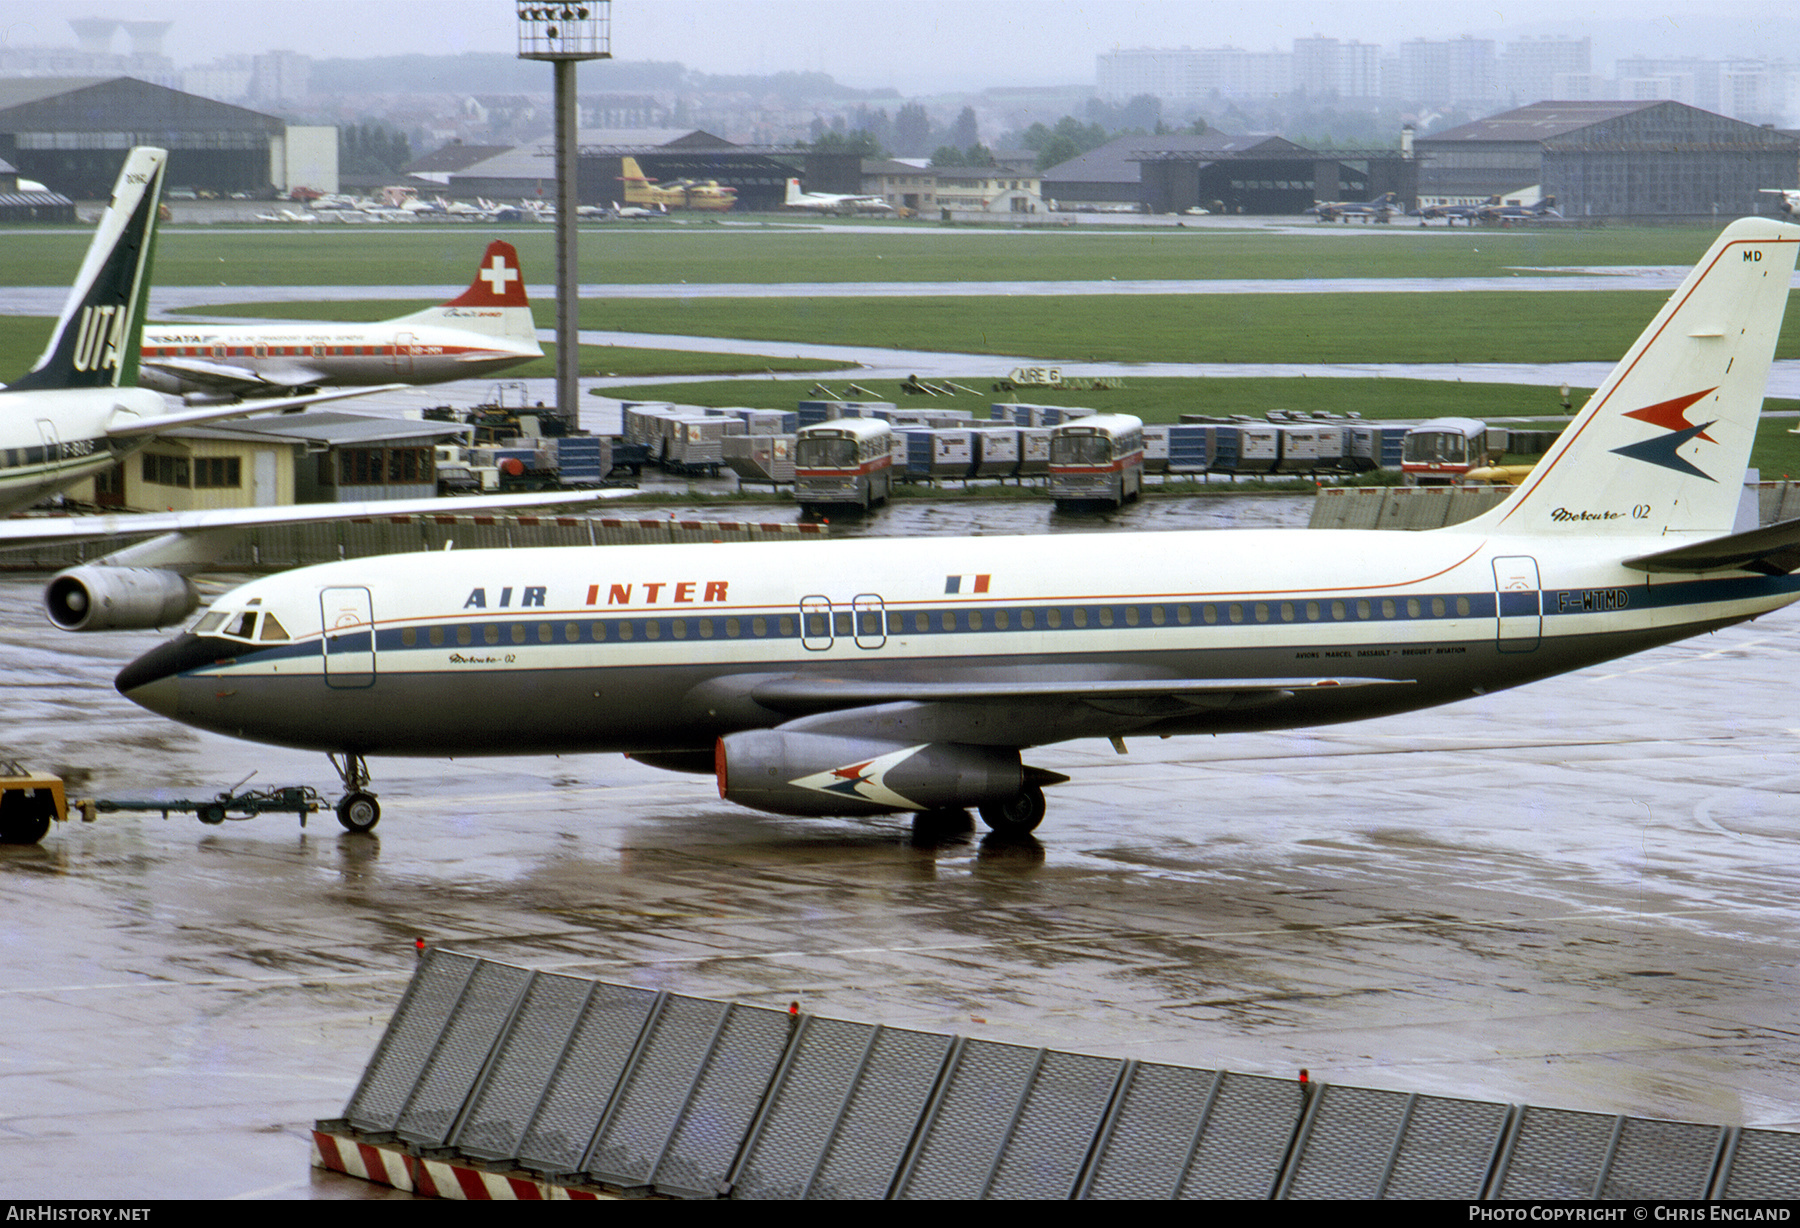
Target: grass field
x=1506 y=326
x=632 y=255
x=1498 y=326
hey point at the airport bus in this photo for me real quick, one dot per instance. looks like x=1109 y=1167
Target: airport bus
x=1440 y=451
x=845 y=460
x=1097 y=459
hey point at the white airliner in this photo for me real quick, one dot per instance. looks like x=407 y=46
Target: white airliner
x=826 y=202
x=76 y=413
x=485 y=329
x=869 y=676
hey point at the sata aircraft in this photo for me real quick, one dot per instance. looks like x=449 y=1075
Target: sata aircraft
x=78 y=411
x=860 y=677
x=485 y=329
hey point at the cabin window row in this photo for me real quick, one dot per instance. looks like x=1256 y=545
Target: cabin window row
x=622 y=630
x=868 y=623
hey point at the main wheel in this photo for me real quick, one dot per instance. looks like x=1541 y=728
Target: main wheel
x=359 y=812
x=25 y=820
x=1016 y=817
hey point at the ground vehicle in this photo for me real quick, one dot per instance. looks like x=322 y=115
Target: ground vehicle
x=846 y=460
x=1098 y=458
x=1441 y=450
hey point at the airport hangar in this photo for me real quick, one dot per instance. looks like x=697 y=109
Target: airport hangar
x=1255 y=174
x=1655 y=159
x=72 y=135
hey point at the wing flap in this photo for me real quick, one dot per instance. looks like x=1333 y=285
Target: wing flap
x=38 y=530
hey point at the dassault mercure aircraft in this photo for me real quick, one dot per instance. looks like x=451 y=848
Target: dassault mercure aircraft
x=870 y=676
x=486 y=328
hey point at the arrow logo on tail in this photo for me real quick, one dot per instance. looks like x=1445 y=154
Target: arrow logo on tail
x=1671 y=416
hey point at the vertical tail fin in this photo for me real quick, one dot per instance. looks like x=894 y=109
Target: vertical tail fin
x=97 y=339
x=793 y=192
x=495 y=302
x=1662 y=446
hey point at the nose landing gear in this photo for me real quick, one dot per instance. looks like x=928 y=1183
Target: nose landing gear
x=357 y=810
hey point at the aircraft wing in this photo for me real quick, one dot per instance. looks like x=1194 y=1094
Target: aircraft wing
x=37 y=530
x=228 y=377
x=1773 y=550
x=237 y=409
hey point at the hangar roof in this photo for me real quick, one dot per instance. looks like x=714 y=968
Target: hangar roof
x=1540 y=121
x=108 y=104
x=1117 y=160
x=1657 y=122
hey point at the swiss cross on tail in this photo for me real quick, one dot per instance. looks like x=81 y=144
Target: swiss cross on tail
x=1661 y=450
x=498 y=281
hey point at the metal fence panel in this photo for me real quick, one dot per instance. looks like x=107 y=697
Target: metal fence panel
x=1350 y=1136
x=520 y=1074
x=588 y=1076
x=655 y=1091
x=1449 y=1150
x=1154 y=1130
x=864 y=1157
x=462 y=1053
x=963 y=1140
x=1245 y=1138
x=1046 y=1151
x=407 y=1044
x=1556 y=1153
x=1764 y=1164
x=1662 y=1159
x=805 y=1108
x=725 y=1102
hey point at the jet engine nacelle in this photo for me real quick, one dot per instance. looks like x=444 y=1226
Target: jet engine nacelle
x=817 y=774
x=98 y=598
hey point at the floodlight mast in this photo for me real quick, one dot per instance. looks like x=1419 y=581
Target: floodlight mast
x=565 y=34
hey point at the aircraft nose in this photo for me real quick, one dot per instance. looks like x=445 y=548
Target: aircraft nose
x=152 y=681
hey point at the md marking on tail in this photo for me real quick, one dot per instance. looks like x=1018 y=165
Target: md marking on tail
x=856 y=677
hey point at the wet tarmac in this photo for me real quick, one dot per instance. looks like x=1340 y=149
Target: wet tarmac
x=1578 y=894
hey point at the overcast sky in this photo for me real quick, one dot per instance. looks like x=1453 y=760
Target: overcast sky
x=919 y=46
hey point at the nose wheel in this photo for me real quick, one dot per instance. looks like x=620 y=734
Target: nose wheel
x=357 y=810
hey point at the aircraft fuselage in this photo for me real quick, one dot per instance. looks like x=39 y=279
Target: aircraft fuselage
x=655 y=649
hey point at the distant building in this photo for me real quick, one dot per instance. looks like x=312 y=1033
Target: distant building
x=1189 y=75
x=1613 y=159
x=280 y=459
x=72 y=134
x=1255 y=173
x=987 y=189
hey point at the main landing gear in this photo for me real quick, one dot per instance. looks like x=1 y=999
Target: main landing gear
x=1017 y=816
x=357 y=810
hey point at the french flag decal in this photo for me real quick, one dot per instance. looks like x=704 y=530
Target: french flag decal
x=976 y=584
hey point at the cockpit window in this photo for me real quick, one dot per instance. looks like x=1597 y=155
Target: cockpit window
x=242 y=626
x=210 y=622
x=273 y=630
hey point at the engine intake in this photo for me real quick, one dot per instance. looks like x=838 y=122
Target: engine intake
x=95 y=598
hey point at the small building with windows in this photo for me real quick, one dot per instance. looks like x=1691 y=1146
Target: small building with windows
x=280 y=459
